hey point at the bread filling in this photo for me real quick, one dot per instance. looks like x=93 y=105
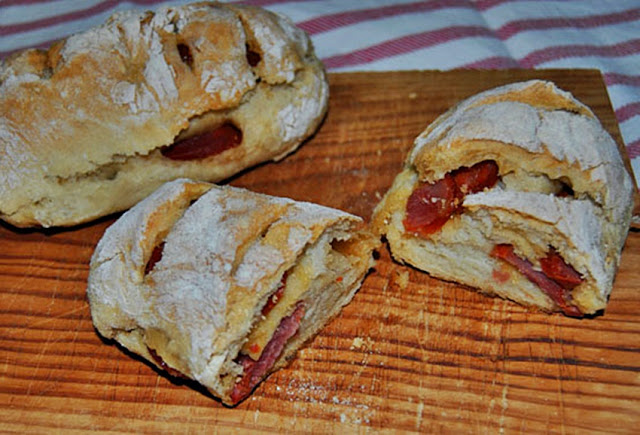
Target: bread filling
x=316 y=270
x=210 y=142
x=166 y=367
x=556 y=278
x=253 y=57
x=322 y=274
x=254 y=370
x=185 y=54
x=156 y=255
x=431 y=205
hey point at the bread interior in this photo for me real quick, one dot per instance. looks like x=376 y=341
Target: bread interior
x=461 y=250
x=323 y=279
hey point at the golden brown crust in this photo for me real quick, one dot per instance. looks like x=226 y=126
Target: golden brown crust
x=83 y=123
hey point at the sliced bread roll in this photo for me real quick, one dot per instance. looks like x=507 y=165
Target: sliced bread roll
x=100 y=120
x=222 y=285
x=518 y=192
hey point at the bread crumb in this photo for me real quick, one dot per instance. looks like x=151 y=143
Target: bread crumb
x=401 y=279
x=360 y=343
x=413 y=96
x=357 y=343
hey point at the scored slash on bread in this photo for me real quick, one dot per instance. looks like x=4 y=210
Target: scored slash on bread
x=222 y=285
x=100 y=120
x=519 y=192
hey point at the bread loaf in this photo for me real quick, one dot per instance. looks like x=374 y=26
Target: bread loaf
x=100 y=120
x=518 y=192
x=222 y=285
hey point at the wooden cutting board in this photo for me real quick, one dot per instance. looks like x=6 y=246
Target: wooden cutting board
x=409 y=353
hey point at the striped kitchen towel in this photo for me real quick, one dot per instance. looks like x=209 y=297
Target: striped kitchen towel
x=377 y=35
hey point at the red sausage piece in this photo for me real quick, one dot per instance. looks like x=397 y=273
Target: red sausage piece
x=204 y=145
x=555 y=268
x=156 y=255
x=557 y=293
x=255 y=370
x=431 y=205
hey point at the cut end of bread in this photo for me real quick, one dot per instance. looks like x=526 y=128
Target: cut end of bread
x=518 y=192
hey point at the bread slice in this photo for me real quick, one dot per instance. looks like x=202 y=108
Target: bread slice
x=518 y=192
x=100 y=120
x=222 y=285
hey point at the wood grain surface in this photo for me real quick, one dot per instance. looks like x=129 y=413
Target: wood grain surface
x=409 y=353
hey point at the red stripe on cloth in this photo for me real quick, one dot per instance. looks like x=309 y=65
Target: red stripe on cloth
x=405 y=44
x=633 y=149
x=495 y=62
x=6 y=3
x=627 y=111
x=515 y=27
x=621 y=79
x=342 y=19
x=537 y=57
x=63 y=18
